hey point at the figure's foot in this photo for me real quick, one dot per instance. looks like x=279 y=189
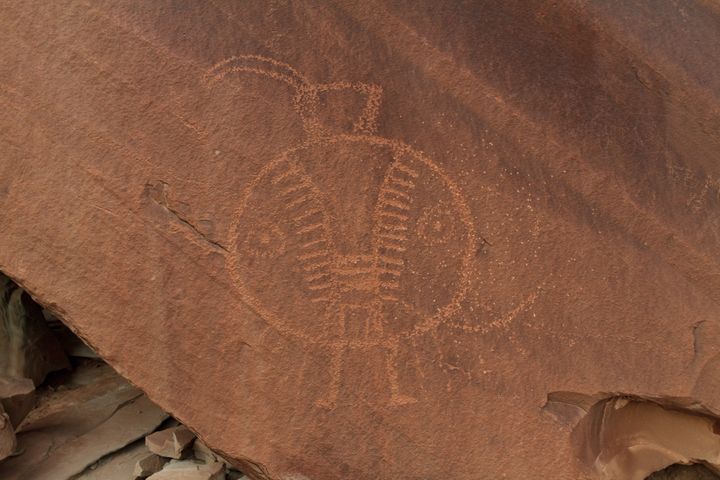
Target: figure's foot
x=325 y=404
x=329 y=399
x=399 y=399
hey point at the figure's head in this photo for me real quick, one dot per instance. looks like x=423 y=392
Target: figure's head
x=326 y=109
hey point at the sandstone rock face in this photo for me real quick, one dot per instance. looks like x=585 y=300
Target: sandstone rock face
x=368 y=239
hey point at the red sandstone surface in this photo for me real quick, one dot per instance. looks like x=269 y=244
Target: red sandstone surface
x=362 y=240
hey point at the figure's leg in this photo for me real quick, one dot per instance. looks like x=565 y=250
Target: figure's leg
x=337 y=354
x=396 y=398
x=337 y=357
x=374 y=330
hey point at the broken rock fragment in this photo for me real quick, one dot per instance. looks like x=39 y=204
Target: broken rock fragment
x=130 y=421
x=190 y=470
x=235 y=475
x=629 y=439
x=148 y=465
x=203 y=452
x=8 y=442
x=117 y=465
x=684 y=472
x=28 y=349
x=171 y=442
x=17 y=397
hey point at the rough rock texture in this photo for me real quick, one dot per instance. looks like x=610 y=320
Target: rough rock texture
x=8 y=442
x=366 y=239
x=171 y=442
x=685 y=472
x=28 y=349
x=148 y=465
x=190 y=470
x=202 y=452
x=18 y=397
x=93 y=413
x=629 y=440
x=131 y=421
x=117 y=466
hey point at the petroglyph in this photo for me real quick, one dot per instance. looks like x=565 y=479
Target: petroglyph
x=340 y=226
x=702 y=190
x=265 y=240
x=308 y=94
x=434 y=226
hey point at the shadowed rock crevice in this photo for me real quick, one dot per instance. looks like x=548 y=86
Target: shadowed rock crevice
x=627 y=437
x=684 y=472
x=65 y=414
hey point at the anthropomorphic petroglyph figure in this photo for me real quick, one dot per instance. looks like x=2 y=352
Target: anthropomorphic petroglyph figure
x=367 y=240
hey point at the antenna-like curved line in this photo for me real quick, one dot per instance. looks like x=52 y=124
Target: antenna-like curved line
x=257 y=64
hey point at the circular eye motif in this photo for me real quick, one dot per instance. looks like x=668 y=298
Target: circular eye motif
x=435 y=225
x=266 y=240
